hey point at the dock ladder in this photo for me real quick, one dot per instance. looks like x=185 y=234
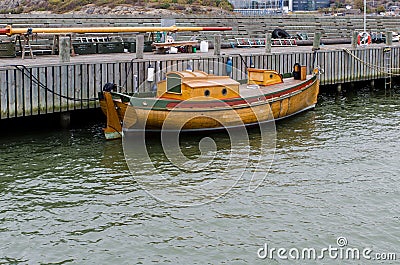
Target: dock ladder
x=388 y=67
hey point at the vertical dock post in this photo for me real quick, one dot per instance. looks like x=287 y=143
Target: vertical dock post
x=64 y=49
x=354 y=38
x=317 y=41
x=139 y=46
x=339 y=88
x=65 y=119
x=372 y=83
x=389 y=38
x=268 y=43
x=217 y=45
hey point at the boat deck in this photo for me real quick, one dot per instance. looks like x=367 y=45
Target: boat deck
x=246 y=90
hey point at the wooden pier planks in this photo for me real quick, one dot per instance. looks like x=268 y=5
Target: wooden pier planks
x=36 y=89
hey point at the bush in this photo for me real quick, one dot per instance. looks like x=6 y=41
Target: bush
x=17 y=10
x=162 y=6
x=179 y=7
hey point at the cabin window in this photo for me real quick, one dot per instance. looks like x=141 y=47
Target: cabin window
x=174 y=83
x=207 y=93
x=224 y=91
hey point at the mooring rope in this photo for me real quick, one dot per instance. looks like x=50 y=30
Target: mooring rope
x=372 y=66
x=25 y=71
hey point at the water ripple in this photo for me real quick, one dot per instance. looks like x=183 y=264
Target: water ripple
x=68 y=196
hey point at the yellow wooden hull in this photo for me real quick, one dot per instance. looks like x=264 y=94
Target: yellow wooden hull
x=150 y=114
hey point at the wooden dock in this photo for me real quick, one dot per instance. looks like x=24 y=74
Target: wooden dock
x=44 y=85
x=243 y=26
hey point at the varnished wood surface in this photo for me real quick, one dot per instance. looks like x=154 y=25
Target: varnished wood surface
x=246 y=90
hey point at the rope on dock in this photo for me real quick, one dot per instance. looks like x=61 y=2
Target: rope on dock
x=381 y=69
x=25 y=71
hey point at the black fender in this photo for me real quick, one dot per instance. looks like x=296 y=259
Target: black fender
x=280 y=34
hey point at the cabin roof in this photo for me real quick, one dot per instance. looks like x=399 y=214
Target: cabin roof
x=184 y=74
x=197 y=83
x=197 y=79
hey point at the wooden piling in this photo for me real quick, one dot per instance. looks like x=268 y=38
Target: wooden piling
x=64 y=49
x=354 y=39
x=268 y=43
x=65 y=119
x=217 y=45
x=389 y=38
x=139 y=46
x=317 y=41
x=339 y=88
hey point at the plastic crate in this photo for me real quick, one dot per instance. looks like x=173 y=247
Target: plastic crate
x=130 y=46
x=7 y=49
x=85 y=48
x=110 y=47
x=147 y=46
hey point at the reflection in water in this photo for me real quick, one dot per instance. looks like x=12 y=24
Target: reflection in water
x=68 y=196
x=193 y=169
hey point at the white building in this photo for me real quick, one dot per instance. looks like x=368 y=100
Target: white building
x=266 y=6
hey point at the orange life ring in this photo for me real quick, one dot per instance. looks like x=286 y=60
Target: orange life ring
x=363 y=38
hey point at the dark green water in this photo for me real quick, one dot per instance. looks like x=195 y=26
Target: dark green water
x=67 y=196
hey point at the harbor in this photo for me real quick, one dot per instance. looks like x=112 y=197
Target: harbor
x=315 y=168
x=67 y=196
x=50 y=84
x=43 y=85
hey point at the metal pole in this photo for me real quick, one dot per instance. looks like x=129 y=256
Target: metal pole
x=8 y=30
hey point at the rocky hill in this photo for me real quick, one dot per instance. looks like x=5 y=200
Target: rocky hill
x=120 y=7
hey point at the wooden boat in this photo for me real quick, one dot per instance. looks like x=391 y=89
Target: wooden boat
x=195 y=101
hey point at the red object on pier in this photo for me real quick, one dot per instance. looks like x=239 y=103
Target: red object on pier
x=4 y=31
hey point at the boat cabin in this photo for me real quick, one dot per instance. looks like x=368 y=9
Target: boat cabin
x=187 y=84
x=263 y=77
x=198 y=84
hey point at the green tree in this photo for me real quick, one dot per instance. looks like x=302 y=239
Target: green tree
x=380 y=9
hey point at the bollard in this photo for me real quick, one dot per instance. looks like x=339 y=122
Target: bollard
x=268 y=43
x=65 y=49
x=217 y=45
x=389 y=38
x=317 y=41
x=354 y=39
x=139 y=46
